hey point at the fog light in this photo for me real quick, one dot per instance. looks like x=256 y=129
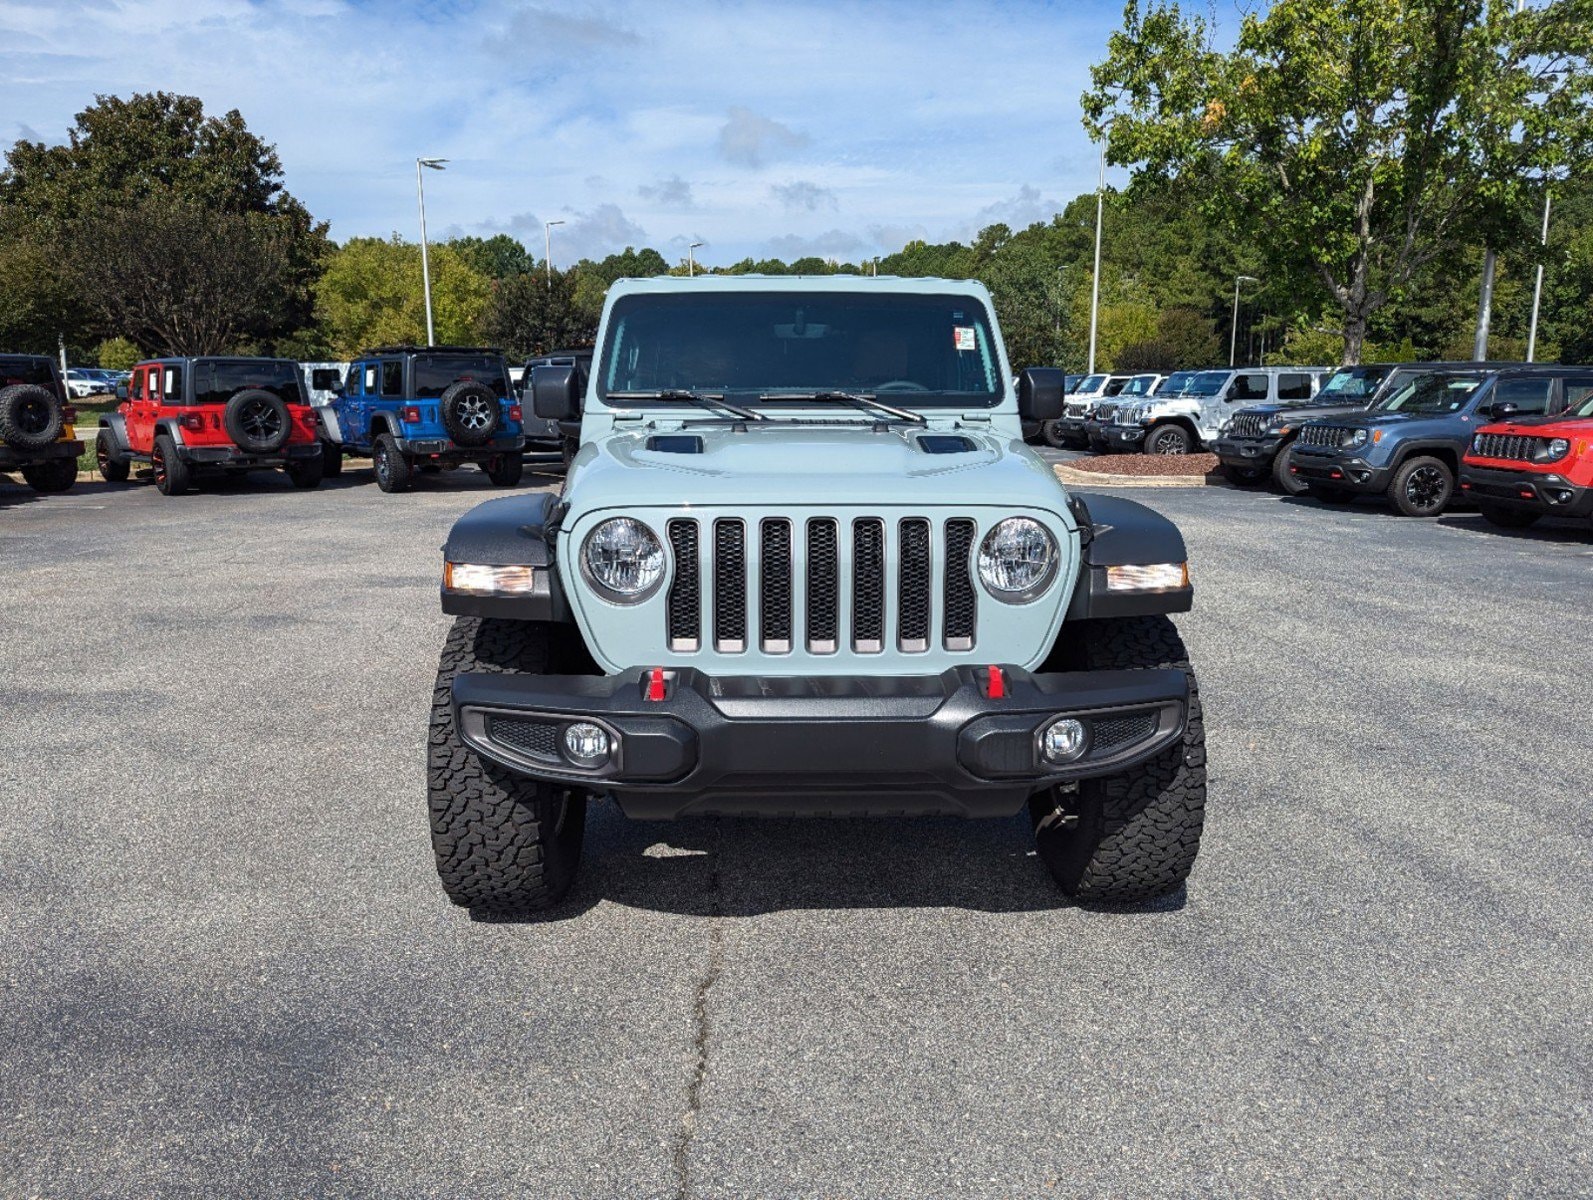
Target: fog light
x=1063 y=740
x=586 y=745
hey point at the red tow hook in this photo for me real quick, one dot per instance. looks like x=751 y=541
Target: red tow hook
x=995 y=684
x=655 y=685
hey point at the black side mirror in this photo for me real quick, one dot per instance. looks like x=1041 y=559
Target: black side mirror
x=121 y=391
x=555 y=393
x=1040 y=391
x=1502 y=409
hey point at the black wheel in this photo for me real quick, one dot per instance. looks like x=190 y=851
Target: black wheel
x=1129 y=837
x=505 y=470
x=1243 y=476
x=1285 y=480
x=1509 y=518
x=30 y=417
x=505 y=844
x=471 y=412
x=113 y=467
x=1051 y=434
x=173 y=476
x=393 y=470
x=1332 y=495
x=306 y=472
x=1422 y=487
x=56 y=475
x=257 y=421
x=1169 y=439
x=331 y=459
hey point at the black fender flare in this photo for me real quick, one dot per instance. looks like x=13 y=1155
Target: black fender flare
x=1115 y=533
x=113 y=426
x=384 y=422
x=172 y=429
x=514 y=531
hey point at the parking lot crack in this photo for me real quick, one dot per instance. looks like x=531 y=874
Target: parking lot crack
x=702 y=1027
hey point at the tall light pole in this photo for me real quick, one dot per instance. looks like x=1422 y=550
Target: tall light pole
x=1095 y=279
x=547 y=249
x=435 y=164
x=1537 y=288
x=1233 y=332
x=691 y=263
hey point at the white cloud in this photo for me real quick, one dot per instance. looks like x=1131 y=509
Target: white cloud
x=747 y=138
x=673 y=192
x=802 y=195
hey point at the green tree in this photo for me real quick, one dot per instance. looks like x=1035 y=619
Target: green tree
x=371 y=294
x=529 y=314
x=1355 y=138
x=117 y=354
x=497 y=257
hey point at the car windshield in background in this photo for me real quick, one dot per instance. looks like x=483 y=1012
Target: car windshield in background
x=1353 y=383
x=913 y=351
x=26 y=370
x=218 y=382
x=434 y=374
x=1431 y=394
x=1175 y=383
x=1090 y=383
x=1140 y=385
x=1205 y=383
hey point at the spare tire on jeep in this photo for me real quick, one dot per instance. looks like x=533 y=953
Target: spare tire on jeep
x=257 y=421
x=30 y=417
x=470 y=412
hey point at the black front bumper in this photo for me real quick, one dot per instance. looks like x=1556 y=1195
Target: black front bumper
x=1123 y=437
x=842 y=746
x=12 y=459
x=1345 y=473
x=1247 y=452
x=1527 y=491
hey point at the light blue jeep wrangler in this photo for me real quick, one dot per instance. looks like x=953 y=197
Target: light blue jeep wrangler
x=803 y=563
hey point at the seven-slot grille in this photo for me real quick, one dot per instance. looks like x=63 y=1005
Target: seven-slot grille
x=1247 y=425
x=889 y=590
x=1506 y=445
x=1332 y=436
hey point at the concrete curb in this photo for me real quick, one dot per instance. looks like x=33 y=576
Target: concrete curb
x=1075 y=478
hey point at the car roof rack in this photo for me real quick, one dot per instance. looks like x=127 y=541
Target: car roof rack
x=430 y=350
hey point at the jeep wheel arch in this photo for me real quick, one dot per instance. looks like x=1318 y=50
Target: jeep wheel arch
x=515 y=531
x=1115 y=532
x=1158 y=432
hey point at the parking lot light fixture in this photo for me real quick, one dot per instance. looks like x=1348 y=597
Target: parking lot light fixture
x=691 y=263
x=547 y=249
x=433 y=164
x=1233 y=332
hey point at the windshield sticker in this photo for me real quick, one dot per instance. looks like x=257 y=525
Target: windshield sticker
x=963 y=336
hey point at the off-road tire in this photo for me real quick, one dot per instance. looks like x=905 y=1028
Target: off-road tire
x=471 y=412
x=114 y=468
x=1508 y=518
x=393 y=470
x=1051 y=434
x=1243 y=476
x=331 y=460
x=1132 y=837
x=505 y=470
x=56 y=475
x=1169 y=439
x=30 y=417
x=257 y=421
x=1332 y=495
x=1285 y=480
x=1422 y=487
x=305 y=472
x=505 y=844
x=173 y=476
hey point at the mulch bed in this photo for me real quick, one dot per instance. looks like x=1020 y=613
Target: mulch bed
x=1182 y=466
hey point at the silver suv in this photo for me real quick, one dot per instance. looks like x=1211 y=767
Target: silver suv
x=1183 y=421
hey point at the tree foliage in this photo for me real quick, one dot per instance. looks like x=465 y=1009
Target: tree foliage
x=1356 y=138
x=371 y=294
x=531 y=314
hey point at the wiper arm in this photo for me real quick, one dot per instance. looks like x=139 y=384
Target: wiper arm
x=862 y=401
x=712 y=403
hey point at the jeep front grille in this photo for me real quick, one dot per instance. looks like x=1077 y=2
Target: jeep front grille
x=1247 y=425
x=839 y=598
x=1506 y=445
x=1331 y=436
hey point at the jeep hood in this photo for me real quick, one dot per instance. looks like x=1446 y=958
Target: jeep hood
x=783 y=463
x=1304 y=410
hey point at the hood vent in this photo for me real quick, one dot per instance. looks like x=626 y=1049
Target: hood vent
x=675 y=443
x=946 y=443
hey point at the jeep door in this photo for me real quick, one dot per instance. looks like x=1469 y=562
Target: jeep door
x=143 y=398
x=1246 y=387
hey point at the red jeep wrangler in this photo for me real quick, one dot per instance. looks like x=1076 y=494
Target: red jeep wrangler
x=1523 y=468
x=193 y=418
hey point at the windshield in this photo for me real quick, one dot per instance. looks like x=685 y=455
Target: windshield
x=217 y=382
x=1090 y=383
x=434 y=374
x=1175 y=383
x=1140 y=385
x=39 y=372
x=1204 y=383
x=1430 y=393
x=1353 y=383
x=913 y=350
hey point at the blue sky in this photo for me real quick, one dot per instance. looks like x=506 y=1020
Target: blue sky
x=759 y=129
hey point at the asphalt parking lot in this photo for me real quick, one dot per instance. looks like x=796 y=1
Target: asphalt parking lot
x=226 y=966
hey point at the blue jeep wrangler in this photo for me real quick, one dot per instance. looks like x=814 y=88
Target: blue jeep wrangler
x=1408 y=445
x=410 y=408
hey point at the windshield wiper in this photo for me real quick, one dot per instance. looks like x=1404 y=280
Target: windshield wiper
x=862 y=401
x=701 y=400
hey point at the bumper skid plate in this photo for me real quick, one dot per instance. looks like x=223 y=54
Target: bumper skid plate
x=779 y=746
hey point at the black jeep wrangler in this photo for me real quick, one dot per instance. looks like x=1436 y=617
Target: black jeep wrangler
x=37 y=437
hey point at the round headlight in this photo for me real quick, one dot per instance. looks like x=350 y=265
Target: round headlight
x=623 y=560
x=1553 y=450
x=1017 y=559
x=1357 y=437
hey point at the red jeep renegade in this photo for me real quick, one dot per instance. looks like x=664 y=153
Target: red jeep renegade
x=1520 y=469
x=193 y=418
